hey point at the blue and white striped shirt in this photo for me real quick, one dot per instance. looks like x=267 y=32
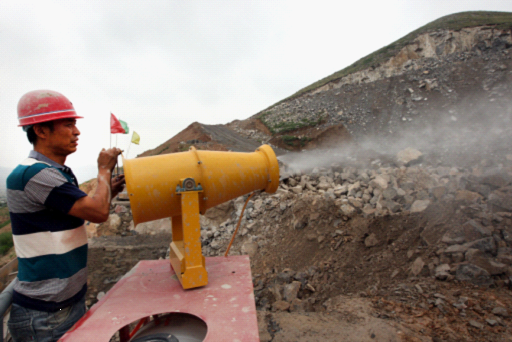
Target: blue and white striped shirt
x=50 y=244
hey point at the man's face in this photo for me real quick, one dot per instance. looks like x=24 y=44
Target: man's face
x=64 y=138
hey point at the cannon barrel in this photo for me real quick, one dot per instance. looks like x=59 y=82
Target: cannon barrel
x=152 y=182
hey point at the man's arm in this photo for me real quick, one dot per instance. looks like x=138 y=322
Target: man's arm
x=96 y=208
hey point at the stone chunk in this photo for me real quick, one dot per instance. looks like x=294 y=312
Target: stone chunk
x=468 y=196
x=291 y=290
x=473 y=274
x=417 y=266
x=442 y=272
x=391 y=205
x=109 y=227
x=379 y=182
x=438 y=192
x=500 y=311
x=487 y=245
x=409 y=156
x=323 y=186
x=419 y=206
x=500 y=201
x=476 y=324
x=281 y=306
x=250 y=248
x=496 y=179
x=480 y=259
x=470 y=231
x=348 y=210
x=390 y=194
x=296 y=189
x=371 y=241
x=340 y=190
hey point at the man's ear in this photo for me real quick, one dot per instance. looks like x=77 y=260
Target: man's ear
x=41 y=131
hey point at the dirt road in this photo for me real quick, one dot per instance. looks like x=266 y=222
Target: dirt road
x=233 y=141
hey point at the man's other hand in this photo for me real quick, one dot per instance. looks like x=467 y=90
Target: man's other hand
x=118 y=183
x=108 y=158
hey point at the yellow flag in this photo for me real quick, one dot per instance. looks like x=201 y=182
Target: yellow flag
x=135 y=138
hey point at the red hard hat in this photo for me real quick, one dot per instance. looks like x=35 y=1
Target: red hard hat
x=44 y=105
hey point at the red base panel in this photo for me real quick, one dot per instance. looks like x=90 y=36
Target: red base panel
x=226 y=304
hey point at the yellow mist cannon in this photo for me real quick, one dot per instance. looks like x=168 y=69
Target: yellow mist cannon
x=183 y=185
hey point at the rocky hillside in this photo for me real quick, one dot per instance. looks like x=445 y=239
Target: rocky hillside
x=437 y=82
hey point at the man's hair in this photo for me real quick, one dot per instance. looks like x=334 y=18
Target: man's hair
x=32 y=136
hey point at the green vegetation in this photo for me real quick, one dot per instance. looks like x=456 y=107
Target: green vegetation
x=284 y=127
x=292 y=140
x=3 y=224
x=456 y=22
x=4 y=217
x=6 y=242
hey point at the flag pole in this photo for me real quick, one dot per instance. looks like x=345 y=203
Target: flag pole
x=128 y=149
x=117 y=164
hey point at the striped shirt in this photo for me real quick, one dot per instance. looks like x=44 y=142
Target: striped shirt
x=50 y=244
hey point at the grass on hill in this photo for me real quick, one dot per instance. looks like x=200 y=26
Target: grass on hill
x=6 y=242
x=4 y=217
x=455 y=22
x=284 y=127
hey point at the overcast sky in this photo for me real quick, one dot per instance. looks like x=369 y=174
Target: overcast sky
x=161 y=65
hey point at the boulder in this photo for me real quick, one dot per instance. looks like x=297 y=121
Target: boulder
x=91 y=229
x=291 y=290
x=487 y=245
x=109 y=227
x=391 y=205
x=280 y=306
x=250 y=248
x=438 y=192
x=417 y=266
x=296 y=189
x=390 y=194
x=500 y=201
x=371 y=240
x=442 y=272
x=153 y=227
x=348 y=210
x=340 y=190
x=409 y=156
x=468 y=232
x=496 y=178
x=379 y=182
x=323 y=186
x=419 y=206
x=468 y=196
x=473 y=274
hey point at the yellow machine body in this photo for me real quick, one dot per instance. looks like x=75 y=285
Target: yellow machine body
x=157 y=188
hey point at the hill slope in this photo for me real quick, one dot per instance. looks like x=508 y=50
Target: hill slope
x=441 y=90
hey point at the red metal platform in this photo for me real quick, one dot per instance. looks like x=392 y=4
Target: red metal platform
x=226 y=304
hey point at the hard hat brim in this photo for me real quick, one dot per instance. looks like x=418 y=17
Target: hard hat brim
x=50 y=116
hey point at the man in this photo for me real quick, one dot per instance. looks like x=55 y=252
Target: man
x=47 y=212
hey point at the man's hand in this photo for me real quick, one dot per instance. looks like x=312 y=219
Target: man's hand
x=108 y=158
x=117 y=185
x=95 y=208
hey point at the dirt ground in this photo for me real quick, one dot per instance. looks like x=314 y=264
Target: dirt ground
x=362 y=293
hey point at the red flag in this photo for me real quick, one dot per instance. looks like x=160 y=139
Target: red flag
x=115 y=125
